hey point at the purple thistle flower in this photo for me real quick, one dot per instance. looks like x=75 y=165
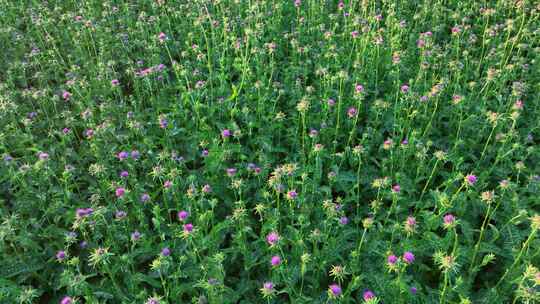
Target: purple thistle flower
x=66 y=95
x=204 y=153
x=167 y=184
x=188 y=228
x=182 y=215
x=275 y=260
x=43 y=156
x=292 y=194
x=226 y=133
x=82 y=212
x=396 y=188
x=120 y=214
x=413 y=290
x=344 y=220
x=231 y=171
x=166 y=251
x=135 y=236
x=268 y=287
x=368 y=295
x=331 y=102
x=135 y=154
x=404 y=88
x=449 y=219
x=115 y=82
x=408 y=257
x=335 y=290
x=392 y=259
x=272 y=238
x=61 y=255
x=206 y=188
x=124 y=174
x=122 y=155
x=359 y=88
x=145 y=197
x=120 y=192
x=351 y=112
x=471 y=179
x=66 y=300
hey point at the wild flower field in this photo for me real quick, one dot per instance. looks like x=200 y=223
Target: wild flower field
x=265 y=151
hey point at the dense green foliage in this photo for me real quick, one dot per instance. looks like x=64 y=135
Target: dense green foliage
x=260 y=151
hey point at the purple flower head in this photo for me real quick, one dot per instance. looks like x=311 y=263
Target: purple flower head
x=408 y=257
x=297 y=3
x=182 y=215
x=411 y=221
x=115 y=82
x=231 y=171
x=354 y=34
x=165 y=251
x=404 y=88
x=344 y=220
x=124 y=174
x=135 y=236
x=135 y=154
x=272 y=238
x=275 y=260
x=145 y=197
x=167 y=184
x=449 y=220
x=292 y=194
x=335 y=290
x=206 y=188
x=162 y=37
x=66 y=95
x=65 y=130
x=163 y=122
x=226 y=133
x=392 y=259
x=359 y=88
x=204 y=153
x=120 y=214
x=471 y=179
x=66 y=300
x=122 y=155
x=43 y=156
x=351 y=112
x=31 y=115
x=61 y=255
x=396 y=188
x=331 y=102
x=414 y=290
x=368 y=295
x=188 y=228
x=82 y=212
x=89 y=133
x=152 y=301
x=268 y=286
x=120 y=192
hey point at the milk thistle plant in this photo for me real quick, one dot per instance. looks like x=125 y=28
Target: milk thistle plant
x=218 y=151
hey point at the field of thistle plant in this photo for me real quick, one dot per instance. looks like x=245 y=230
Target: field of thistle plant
x=265 y=151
